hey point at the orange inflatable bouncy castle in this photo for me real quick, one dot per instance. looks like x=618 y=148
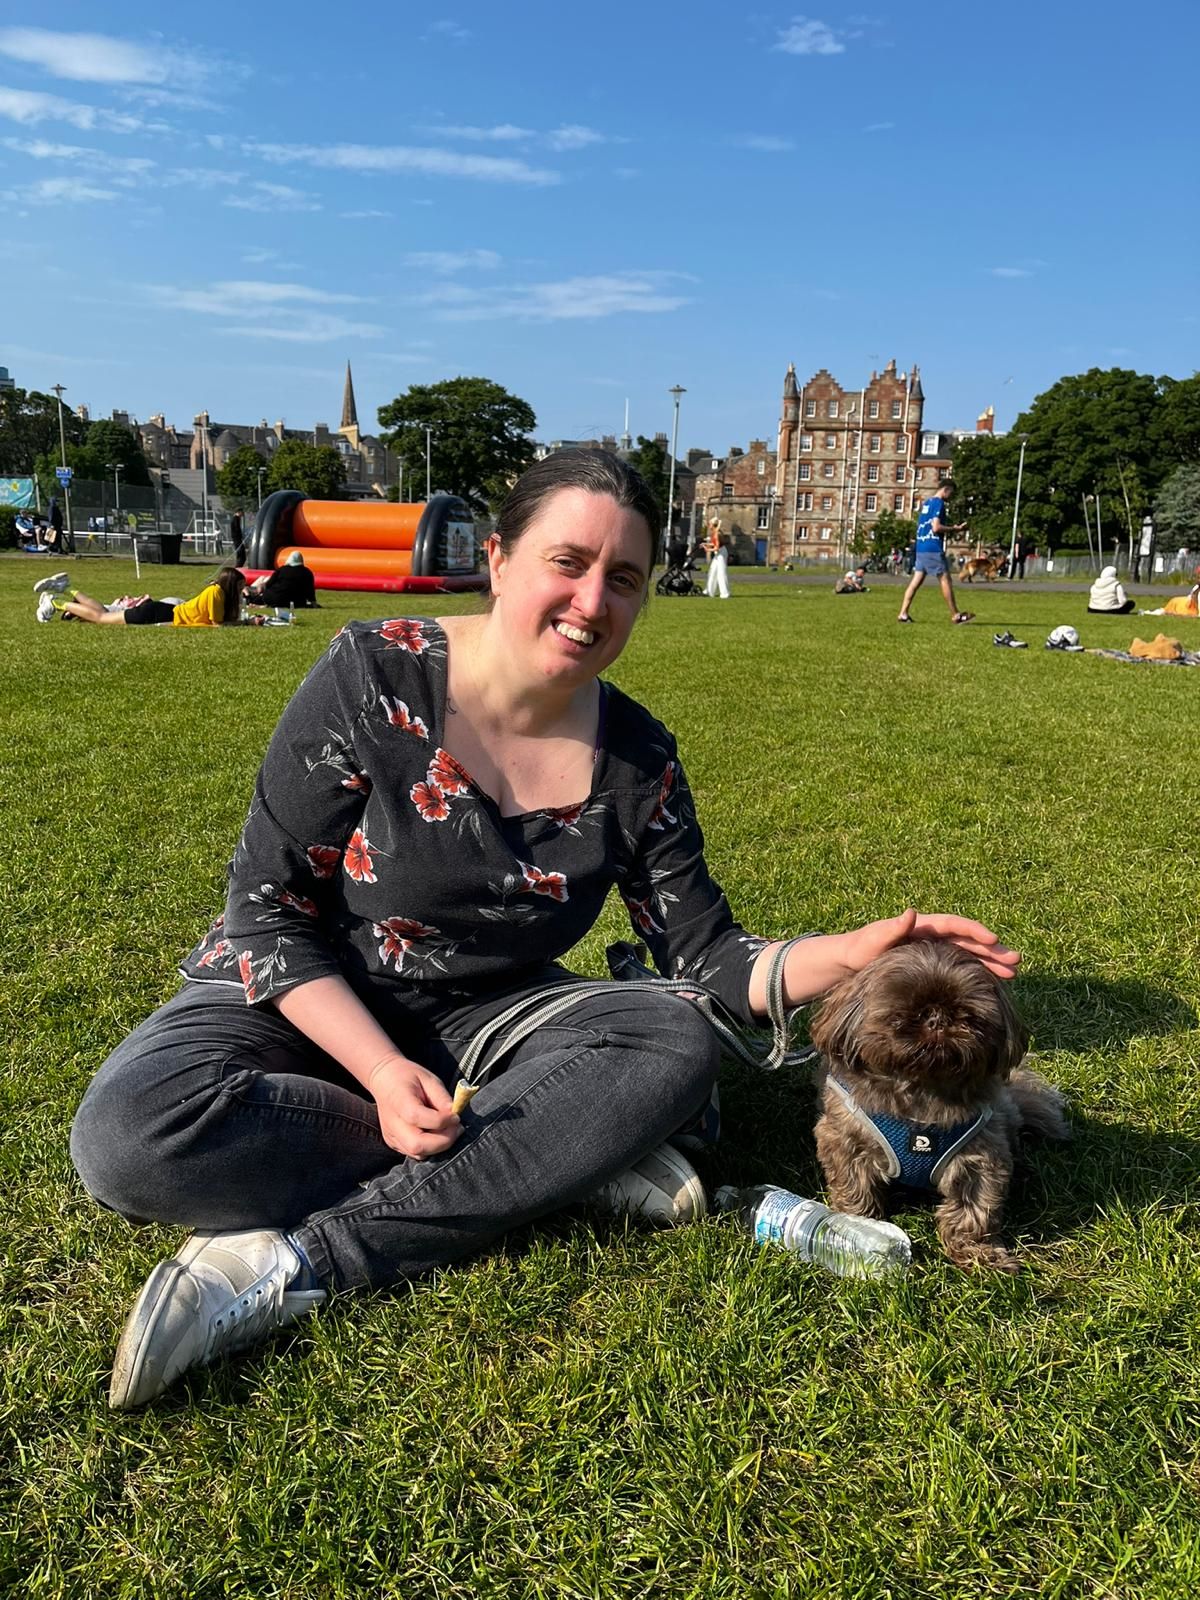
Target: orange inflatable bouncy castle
x=357 y=544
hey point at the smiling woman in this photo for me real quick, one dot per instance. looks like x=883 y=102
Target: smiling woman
x=440 y=816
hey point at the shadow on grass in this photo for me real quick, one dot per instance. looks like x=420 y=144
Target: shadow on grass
x=1078 y=1011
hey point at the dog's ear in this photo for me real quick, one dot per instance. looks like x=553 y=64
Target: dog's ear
x=836 y=1020
x=1014 y=1039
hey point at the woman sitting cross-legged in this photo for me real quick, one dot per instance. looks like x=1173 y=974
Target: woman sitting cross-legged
x=440 y=815
x=218 y=602
x=1107 y=595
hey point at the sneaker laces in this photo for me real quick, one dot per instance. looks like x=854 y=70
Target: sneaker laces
x=257 y=1311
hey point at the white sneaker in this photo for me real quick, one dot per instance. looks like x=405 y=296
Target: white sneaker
x=221 y=1292
x=46 y=609
x=662 y=1188
x=55 y=584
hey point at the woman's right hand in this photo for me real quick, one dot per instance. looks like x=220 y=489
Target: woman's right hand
x=414 y=1108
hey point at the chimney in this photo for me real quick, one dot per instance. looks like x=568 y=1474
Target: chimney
x=986 y=421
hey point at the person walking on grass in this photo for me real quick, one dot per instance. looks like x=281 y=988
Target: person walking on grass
x=439 y=818
x=218 y=602
x=930 y=560
x=718 y=563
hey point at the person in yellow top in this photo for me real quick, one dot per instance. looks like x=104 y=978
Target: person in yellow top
x=219 y=602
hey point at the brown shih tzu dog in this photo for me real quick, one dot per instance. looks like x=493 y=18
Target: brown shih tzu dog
x=921 y=1085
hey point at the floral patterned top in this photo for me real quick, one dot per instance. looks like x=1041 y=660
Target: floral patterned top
x=370 y=852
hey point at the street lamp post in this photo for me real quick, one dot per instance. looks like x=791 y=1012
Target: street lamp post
x=675 y=392
x=1012 y=549
x=262 y=471
x=428 y=480
x=116 y=469
x=60 y=390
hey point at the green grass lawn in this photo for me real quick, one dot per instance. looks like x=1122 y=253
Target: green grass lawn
x=590 y=1412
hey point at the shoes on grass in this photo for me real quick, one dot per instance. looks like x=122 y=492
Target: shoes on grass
x=904 y=619
x=1064 y=637
x=964 y=616
x=46 y=609
x=1007 y=639
x=219 y=1293
x=662 y=1189
x=55 y=584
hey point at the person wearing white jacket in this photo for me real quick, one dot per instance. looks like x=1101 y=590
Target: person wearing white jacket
x=1107 y=595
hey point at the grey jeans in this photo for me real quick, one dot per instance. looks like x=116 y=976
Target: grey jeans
x=222 y=1116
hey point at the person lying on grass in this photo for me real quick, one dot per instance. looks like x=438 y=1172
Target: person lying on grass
x=219 y=602
x=440 y=815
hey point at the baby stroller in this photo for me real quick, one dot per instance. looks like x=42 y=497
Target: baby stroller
x=677 y=579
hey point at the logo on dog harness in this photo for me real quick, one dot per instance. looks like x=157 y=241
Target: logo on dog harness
x=920 y=1144
x=916 y=1152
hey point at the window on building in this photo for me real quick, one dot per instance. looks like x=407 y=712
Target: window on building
x=872 y=502
x=827 y=469
x=802 y=533
x=764 y=517
x=805 y=471
x=897 y=503
x=762 y=466
x=901 y=472
x=873 y=472
x=810 y=408
x=727 y=489
x=897 y=410
x=874 y=446
x=831 y=408
x=716 y=465
x=806 y=441
x=827 y=533
x=901 y=443
x=826 y=502
x=872 y=408
x=831 y=441
x=929 y=444
x=803 y=502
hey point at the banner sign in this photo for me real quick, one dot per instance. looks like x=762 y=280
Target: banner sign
x=17 y=492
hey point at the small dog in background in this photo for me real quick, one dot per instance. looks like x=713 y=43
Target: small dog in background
x=921 y=1084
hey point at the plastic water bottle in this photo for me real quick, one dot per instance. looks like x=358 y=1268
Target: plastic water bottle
x=285 y=614
x=851 y=1247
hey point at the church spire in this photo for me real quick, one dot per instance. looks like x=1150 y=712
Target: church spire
x=349 y=409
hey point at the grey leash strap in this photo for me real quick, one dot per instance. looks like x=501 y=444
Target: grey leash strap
x=525 y=1016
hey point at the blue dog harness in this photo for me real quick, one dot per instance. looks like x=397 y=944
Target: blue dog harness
x=916 y=1151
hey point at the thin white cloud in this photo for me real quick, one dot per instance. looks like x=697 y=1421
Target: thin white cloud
x=404 y=159
x=767 y=142
x=1010 y=272
x=570 y=299
x=272 y=197
x=123 y=169
x=309 y=329
x=288 y=312
x=446 y=261
x=573 y=136
x=362 y=216
x=269 y=258
x=60 y=191
x=806 y=36
x=30 y=107
x=879 y=127
x=100 y=58
x=448 y=30
x=502 y=133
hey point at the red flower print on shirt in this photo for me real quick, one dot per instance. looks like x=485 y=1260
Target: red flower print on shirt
x=246 y=973
x=323 y=859
x=553 y=884
x=396 y=936
x=445 y=773
x=358 y=781
x=357 y=858
x=430 y=801
x=404 y=634
x=660 y=816
x=297 y=902
x=567 y=816
x=399 y=716
x=639 y=915
x=218 y=950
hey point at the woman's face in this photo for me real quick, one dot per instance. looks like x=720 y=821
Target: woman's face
x=568 y=595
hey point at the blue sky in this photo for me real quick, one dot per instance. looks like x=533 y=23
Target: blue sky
x=589 y=205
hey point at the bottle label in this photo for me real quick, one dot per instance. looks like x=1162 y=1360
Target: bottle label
x=778 y=1214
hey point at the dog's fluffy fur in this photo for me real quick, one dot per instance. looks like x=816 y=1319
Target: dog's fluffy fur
x=926 y=1033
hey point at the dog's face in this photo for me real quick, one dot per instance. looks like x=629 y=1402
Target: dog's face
x=924 y=1018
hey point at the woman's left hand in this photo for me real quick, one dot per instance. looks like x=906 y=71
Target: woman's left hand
x=864 y=944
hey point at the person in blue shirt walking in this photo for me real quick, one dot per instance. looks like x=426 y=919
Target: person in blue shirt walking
x=931 y=562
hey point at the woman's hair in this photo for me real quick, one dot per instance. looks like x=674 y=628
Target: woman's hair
x=231 y=581
x=597 y=471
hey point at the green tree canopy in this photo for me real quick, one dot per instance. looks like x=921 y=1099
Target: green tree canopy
x=480 y=440
x=316 y=470
x=237 y=480
x=29 y=429
x=104 y=445
x=651 y=460
x=887 y=533
x=1177 y=509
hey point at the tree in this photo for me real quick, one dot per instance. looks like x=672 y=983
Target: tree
x=652 y=461
x=888 y=532
x=316 y=470
x=238 y=480
x=111 y=442
x=1177 y=509
x=1180 y=431
x=480 y=440
x=29 y=429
